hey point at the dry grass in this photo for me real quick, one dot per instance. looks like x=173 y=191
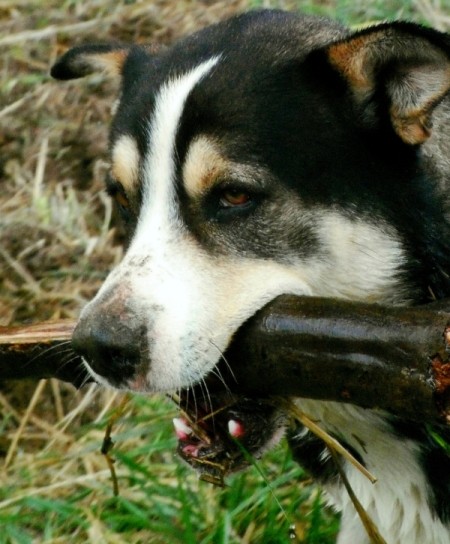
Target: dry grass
x=57 y=245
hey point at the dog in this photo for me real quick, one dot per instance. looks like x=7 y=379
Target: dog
x=277 y=153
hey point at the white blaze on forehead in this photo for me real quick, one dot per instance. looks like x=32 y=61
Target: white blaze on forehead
x=160 y=163
x=125 y=161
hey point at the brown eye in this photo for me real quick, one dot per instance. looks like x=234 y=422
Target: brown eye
x=121 y=200
x=115 y=190
x=234 y=197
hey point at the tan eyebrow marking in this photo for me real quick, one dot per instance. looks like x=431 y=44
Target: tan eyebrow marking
x=203 y=165
x=125 y=162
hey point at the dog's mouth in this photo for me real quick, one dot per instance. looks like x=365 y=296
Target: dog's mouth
x=223 y=433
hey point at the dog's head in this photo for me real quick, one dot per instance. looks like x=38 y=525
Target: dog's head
x=251 y=159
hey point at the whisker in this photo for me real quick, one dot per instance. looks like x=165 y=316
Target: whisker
x=87 y=378
x=45 y=352
x=191 y=389
x=216 y=372
x=84 y=382
x=185 y=398
x=194 y=396
x=70 y=358
x=224 y=359
x=207 y=400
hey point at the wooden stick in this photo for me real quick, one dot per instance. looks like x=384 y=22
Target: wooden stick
x=395 y=359
x=40 y=351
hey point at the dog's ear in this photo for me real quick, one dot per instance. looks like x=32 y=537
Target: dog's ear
x=83 y=60
x=404 y=65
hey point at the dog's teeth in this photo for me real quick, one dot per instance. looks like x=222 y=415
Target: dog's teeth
x=235 y=428
x=182 y=429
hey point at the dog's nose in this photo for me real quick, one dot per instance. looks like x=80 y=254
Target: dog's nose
x=108 y=343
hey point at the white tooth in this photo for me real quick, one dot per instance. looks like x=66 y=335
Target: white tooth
x=235 y=428
x=182 y=429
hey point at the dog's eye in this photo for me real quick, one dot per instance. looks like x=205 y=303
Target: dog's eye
x=231 y=198
x=117 y=193
x=121 y=200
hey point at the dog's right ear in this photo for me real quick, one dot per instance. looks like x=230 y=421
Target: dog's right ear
x=83 y=60
x=398 y=68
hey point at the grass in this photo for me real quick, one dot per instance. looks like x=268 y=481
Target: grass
x=56 y=247
x=64 y=488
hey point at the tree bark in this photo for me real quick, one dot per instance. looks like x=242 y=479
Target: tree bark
x=395 y=359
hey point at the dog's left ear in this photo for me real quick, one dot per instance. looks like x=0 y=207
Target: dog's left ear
x=403 y=64
x=83 y=60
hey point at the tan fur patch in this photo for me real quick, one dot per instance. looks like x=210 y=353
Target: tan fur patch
x=125 y=162
x=203 y=166
x=411 y=112
x=111 y=62
x=413 y=129
x=350 y=58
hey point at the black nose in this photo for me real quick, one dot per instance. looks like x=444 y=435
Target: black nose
x=109 y=344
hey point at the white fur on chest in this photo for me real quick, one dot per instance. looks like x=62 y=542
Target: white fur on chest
x=398 y=501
